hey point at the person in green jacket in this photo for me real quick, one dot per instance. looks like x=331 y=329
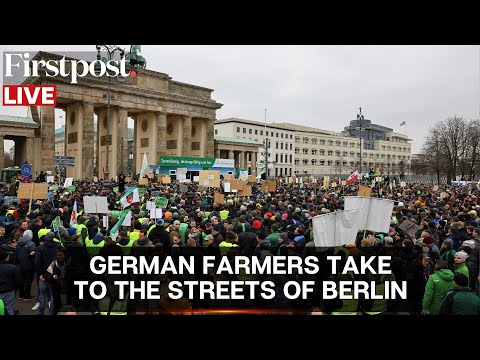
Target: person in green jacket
x=461 y=300
x=460 y=267
x=273 y=237
x=438 y=285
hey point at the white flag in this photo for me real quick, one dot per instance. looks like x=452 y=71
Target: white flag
x=73 y=217
x=373 y=214
x=144 y=165
x=131 y=196
x=128 y=219
x=335 y=229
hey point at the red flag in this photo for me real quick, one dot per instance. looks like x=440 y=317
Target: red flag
x=104 y=175
x=353 y=177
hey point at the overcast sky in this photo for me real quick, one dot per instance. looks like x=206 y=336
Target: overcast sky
x=323 y=86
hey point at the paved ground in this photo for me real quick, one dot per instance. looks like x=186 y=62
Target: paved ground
x=24 y=307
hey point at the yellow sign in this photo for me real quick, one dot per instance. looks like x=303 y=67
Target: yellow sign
x=377 y=170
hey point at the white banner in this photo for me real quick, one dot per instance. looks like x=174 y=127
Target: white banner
x=105 y=221
x=68 y=182
x=335 y=229
x=374 y=214
x=50 y=179
x=156 y=213
x=226 y=187
x=95 y=204
x=224 y=163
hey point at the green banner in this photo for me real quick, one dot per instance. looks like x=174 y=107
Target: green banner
x=71 y=188
x=161 y=202
x=175 y=161
x=115 y=189
x=119 y=223
x=56 y=223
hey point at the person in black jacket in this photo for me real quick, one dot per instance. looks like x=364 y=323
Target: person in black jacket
x=10 y=280
x=25 y=253
x=44 y=256
x=160 y=235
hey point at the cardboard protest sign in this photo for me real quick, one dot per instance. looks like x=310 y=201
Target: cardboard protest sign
x=142 y=181
x=32 y=191
x=364 y=191
x=218 y=198
x=210 y=178
x=409 y=227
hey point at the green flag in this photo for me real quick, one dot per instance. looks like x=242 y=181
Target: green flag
x=115 y=189
x=71 y=188
x=114 y=230
x=56 y=223
x=161 y=202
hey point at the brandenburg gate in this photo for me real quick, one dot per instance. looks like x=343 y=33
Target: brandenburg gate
x=171 y=118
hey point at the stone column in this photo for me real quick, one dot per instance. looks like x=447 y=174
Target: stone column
x=122 y=145
x=210 y=134
x=47 y=118
x=161 y=134
x=29 y=152
x=245 y=160
x=217 y=154
x=2 y=158
x=253 y=160
x=135 y=145
x=231 y=155
x=87 y=141
x=187 y=136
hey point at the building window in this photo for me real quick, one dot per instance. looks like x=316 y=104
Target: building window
x=383 y=156
x=337 y=153
x=281 y=158
x=196 y=145
x=314 y=151
x=322 y=142
x=305 y=140
x=281 y=146
x=330 y=153
x=322 y=152
x=216 y=132
x=250 y=131
x=329 y=162
x=290 y=159
x=297 y=162
x=383 y=147
x=377 y=155
x=352 y=163
x=352 y=154
x=337 y=142
x=238 y=129
x=281 y=135
x=171 y=144
x=297 y=139
x=144 y=142
x=330 y=142
x=244 y=130
x=314 y=162
x=256 y=132
x=277 y=135
x=314 y=141
x=297 y=151
x=322 y=162
x=261 y=132
x=337 y=163
x=291 y=137
x=72 y=138
x=305 y=151
x=271 y=134
x=290 y=146
x=305 y=162
x=394 y=148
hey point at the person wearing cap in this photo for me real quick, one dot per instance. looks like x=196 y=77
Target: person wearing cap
x=81 y=230
x=158 y=234
x=447 y=253
x=460 y=266
x=461 y=300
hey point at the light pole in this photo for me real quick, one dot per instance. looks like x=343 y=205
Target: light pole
x=111 y=50
x=360 y=117
x=121 y=157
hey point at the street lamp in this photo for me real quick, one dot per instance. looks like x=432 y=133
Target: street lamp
x=111 y=50
x=360 y=117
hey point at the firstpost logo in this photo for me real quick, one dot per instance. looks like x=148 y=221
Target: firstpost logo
x=20 y=66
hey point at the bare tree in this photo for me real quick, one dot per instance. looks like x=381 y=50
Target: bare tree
x=473 y=148
x=432 y=153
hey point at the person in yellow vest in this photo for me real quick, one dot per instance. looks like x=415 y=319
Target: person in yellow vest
x=82 y=230
x=136 y=231
x=347 y=306
x=94 y=245
x=111 y=303
x=124 y=241
x=230 y=241
x=224 y=214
